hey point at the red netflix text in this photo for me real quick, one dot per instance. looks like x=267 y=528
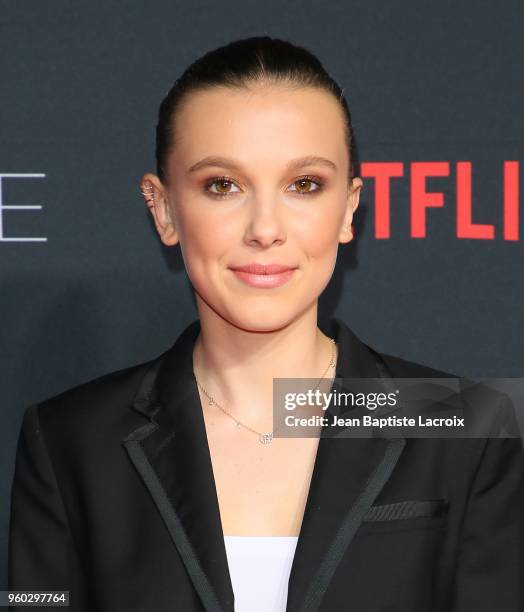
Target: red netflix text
x=421 y=199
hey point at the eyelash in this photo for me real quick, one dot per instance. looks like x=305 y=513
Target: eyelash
x=308 y=177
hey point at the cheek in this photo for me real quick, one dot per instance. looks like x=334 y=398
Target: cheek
x=318 y=235
x=203 y=236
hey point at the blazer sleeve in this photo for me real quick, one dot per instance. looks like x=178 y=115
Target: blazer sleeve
x=490 y=565
x=42 y=554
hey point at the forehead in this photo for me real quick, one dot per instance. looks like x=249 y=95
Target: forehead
x=273 y=121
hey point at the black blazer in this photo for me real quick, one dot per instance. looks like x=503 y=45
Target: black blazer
x=114 y=500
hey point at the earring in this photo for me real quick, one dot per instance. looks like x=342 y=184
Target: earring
x=148 y=191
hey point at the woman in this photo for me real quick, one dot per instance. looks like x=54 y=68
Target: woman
x=162 y=487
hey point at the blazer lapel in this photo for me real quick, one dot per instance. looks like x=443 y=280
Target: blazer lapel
x=171 y=455
x=348 y=475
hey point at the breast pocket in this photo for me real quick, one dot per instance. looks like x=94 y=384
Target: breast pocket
x=406 y=515
x=397 y=548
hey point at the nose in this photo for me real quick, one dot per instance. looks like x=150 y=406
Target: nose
x=264 y=228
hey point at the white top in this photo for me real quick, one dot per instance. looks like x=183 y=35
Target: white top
x=259 y=568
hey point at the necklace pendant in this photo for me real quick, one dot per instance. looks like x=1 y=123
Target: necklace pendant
x=265 y=438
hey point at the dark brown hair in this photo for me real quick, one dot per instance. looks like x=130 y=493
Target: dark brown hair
x=239 y=64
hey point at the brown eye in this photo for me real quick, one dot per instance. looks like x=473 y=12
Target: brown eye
x=304 y=185
x=222 y=185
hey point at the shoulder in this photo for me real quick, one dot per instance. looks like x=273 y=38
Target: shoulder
x=405 y=368
x=113 y=387
x=493 y=449
x=491 y=408
x=102 y=404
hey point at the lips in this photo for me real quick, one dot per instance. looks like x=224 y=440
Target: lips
x=256 y=268
x=264 y=275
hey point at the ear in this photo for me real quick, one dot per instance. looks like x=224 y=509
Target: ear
x=353 y=198
x=155 y=197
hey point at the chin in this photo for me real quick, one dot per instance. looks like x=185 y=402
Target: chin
x=263 y=318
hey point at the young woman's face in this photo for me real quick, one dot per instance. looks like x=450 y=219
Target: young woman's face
x=259 y=177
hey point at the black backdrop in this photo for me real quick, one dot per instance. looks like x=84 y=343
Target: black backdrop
x=86 y=286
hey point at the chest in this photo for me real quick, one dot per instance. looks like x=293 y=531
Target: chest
x=261 y=489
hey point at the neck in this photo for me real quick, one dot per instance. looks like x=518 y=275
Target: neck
x=233 y=364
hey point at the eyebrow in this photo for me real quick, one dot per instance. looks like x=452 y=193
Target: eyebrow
x=232 y=164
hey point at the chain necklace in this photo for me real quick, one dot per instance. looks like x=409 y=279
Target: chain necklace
x=264 y=437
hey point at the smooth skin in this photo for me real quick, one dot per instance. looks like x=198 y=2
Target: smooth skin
x=270 y=213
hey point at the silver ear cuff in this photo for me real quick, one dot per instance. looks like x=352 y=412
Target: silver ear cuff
x=148 y=191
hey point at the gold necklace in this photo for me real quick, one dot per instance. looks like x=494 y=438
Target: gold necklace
x=264 y=437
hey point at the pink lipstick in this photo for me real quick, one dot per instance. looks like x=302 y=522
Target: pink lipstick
x=264 y=275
